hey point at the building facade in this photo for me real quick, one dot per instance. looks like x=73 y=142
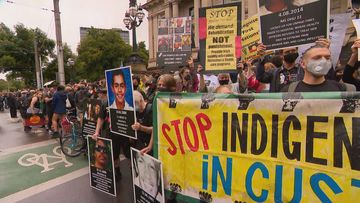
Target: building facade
x=123 y=33
x=159 y=9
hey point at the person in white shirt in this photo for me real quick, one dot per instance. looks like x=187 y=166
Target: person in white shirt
x=118 y=87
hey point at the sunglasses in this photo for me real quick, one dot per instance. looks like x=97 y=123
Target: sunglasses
x=100 y=149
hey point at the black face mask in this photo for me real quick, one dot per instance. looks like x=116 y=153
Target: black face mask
x=291 y=58
x=162 y=89
x=187 y=77
x=135 y=87
x=223 y=82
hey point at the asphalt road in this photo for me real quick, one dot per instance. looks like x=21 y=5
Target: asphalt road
x=61 y=184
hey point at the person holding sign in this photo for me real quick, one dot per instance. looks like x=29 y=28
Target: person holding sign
x=118 y=87
x=316 y=63
x=351 y=72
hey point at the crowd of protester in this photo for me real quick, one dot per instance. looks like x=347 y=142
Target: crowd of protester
x=286 y=70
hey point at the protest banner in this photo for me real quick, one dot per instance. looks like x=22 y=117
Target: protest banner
x=220 y=37
x=356 y=23
x=101 y=166
x=259 y=148
x=337 y=30
x=121 y=101
x=250 y=37
x=91 y=114
x=293 y=23
x=147 y=178
x=174 y=42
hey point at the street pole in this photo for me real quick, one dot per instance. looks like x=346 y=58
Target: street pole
x=37 y=65
x=133 y=3
x=59 y=47
x=41 y=74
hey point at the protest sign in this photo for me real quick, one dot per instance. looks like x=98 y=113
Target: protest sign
x=101 y=166
x=292 y=24
x=91 y=114
x=259 y=148
x=147 y=178
x=220 y=37
x=337 y=30
x=356 y=23
x=250 y=37
x=121 y=101
x=174 y=42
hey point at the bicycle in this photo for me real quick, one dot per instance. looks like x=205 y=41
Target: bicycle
x=72 y=142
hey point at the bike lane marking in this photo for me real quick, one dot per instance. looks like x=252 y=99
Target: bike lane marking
x=33 y=166
x=4 y=152
x=24 y=194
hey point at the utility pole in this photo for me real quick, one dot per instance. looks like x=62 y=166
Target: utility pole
x=37 y=64
x=59 y=46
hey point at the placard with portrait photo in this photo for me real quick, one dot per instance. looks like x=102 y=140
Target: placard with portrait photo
x=101 y=166
x=121 y=101
x=147 y=178
x=91 y=114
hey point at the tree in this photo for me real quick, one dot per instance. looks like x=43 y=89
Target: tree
x=17 y=51
x=52 y=67
x=100 y=50
x=143 y=52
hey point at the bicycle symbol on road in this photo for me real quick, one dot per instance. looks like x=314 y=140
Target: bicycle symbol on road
x=42 y=160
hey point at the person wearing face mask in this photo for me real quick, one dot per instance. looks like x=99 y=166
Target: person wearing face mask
x=351 y=71
x=316 y=63
x=285 y=74
x=136 y=85
x=143 y=125
x=187 y=80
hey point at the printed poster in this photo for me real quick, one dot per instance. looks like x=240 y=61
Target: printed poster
x=101 y=166
x=147 y=178
x=250 y=37
x=91 y=114
x=174 y=42
x=293 y=23
x=121 y=101
x=220 y=37
x=278 y=147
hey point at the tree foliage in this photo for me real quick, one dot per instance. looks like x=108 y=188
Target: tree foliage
x=100 y=50
x=17 y=55
x=143 y=52
x=52 y=67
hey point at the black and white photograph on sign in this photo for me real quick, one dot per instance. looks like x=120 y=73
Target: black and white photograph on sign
x=121 y=101
x=91 y=114
x=288 y=23
x=147 y=178
x=101 y=166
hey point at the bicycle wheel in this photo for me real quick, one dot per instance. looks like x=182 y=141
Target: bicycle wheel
x=72 y=146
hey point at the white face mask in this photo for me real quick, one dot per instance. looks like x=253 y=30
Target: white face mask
x=319 y=67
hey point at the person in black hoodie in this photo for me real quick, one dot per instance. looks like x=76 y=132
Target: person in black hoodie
x=59 y=107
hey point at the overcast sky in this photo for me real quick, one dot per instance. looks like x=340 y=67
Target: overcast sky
x=74 y=14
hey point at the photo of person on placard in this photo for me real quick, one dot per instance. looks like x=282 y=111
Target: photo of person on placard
x=101 y=155
x=119 y=88
x=147 y=176
x=274 y=6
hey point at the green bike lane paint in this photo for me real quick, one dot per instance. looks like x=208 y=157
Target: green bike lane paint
x=30 y=167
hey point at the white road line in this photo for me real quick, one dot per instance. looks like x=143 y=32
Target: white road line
x=26 y=147
x=44 y=186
